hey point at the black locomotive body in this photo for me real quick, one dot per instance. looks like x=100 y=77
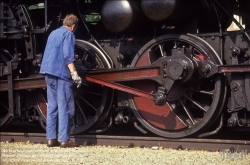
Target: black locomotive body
x=172 y=67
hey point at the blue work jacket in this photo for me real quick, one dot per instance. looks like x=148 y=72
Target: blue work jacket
x=59 y=52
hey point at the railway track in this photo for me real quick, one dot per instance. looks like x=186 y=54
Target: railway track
x=137 y=141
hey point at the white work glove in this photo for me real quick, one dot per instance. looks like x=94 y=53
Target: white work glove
x=76 y=79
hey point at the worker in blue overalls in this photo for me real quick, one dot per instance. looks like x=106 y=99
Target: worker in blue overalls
x=60 y=74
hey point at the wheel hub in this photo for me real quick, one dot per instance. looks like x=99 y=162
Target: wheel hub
x=176 y=69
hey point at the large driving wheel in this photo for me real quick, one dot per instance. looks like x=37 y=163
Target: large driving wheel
x=191 y=106
x=92 y=102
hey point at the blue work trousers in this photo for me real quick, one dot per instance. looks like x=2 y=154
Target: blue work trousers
x=60 y=108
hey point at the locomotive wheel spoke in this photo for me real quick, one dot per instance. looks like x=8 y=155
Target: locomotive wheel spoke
x=187 y=112
x=204 y=92
x=160 y=46
x=91 y=93
x=195 y=103
x=188 y=109
x=88 y=103
x=81 y=111
x=4 y=107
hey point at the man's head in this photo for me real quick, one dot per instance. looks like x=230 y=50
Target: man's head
x=71 y=22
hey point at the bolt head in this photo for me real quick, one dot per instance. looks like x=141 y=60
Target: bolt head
x=206 y=68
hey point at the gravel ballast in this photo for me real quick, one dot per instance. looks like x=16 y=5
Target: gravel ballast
x=39 y=154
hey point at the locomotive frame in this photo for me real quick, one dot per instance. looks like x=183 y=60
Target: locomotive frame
x=170 y=73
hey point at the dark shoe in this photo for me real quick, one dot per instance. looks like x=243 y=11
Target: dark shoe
x=68 y=144
x=53 y=143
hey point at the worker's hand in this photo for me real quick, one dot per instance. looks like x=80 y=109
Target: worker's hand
x=76 y=79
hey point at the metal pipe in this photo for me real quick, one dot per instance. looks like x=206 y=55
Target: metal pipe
x=1 y=21
x=215 y=131
x=42 y=124
x=104 y=129
x=139 y=128
x=220 y=31
x=45 y=13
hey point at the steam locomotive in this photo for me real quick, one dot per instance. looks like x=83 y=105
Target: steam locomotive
x=175 y=68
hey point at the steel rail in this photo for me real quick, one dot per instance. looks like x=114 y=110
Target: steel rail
x=138 y=141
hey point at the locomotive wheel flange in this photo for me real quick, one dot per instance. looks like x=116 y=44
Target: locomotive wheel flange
x=192 y=105
x=92 y=102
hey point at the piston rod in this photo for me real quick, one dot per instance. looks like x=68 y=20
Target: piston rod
x=120 y=87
